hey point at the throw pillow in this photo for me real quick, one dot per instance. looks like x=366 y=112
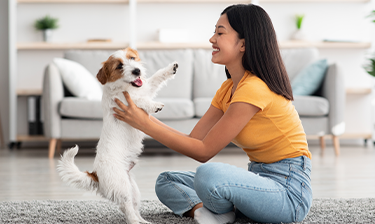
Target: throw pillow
x=309 y=79
x=79 y=81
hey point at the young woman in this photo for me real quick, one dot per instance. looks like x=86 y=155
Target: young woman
x=252 y=109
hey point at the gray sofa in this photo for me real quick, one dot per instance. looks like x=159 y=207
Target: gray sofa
x=186 y=97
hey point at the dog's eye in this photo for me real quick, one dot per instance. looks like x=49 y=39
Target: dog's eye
x=119 y=66
x=132 y=58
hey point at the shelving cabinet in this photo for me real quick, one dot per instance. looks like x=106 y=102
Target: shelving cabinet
x=61 y=46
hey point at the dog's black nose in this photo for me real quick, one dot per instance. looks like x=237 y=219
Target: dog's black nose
x=136 y=71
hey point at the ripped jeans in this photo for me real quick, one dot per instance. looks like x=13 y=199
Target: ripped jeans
x=276 y=192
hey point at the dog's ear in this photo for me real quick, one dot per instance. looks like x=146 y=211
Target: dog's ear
x=131 y=53
x=102 y=75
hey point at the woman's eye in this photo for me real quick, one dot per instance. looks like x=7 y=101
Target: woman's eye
x=119 y=66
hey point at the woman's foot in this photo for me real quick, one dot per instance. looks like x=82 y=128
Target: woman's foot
x=204 y=216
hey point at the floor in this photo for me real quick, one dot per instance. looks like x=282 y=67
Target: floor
x=27 y=173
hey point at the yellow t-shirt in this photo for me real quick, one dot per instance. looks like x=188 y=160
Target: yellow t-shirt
x=275 y=132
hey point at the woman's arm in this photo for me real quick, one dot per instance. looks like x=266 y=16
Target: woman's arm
x=204 y=125
x=154 y=119
x=219 y=136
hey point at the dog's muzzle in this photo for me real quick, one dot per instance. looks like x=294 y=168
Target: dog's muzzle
x=136 y=71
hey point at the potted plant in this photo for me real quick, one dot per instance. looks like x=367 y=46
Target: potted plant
x=370 y=65
x=299 y=34
x=46 y=25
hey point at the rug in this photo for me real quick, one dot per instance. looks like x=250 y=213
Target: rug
x=322 y=211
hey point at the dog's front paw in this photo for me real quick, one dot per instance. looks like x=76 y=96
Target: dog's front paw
x=175 y=66
x=172 y=68
x=154 y=107
x=158 y=107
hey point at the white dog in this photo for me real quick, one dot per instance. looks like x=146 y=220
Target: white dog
x=120 y=144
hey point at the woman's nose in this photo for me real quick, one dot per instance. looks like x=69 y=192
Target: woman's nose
x=212 y=39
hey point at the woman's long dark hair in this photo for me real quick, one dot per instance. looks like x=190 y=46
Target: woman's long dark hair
x=262 y=55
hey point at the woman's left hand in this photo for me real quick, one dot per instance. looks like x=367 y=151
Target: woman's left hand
x=131 y=114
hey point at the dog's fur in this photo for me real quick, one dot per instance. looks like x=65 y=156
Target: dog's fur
x=120 y=144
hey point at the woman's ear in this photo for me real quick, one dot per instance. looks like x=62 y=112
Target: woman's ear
x=242 y=42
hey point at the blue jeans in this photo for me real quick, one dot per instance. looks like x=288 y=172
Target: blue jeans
x=276 y=192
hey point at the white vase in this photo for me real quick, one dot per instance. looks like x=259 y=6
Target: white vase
x=299 y=35
x=47 y=35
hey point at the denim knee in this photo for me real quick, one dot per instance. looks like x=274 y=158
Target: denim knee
x=204 y=181
x=161 y=181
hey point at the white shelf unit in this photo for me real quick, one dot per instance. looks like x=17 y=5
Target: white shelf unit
x=141 y=45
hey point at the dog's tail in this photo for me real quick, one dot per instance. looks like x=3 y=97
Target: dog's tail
x=70 y=173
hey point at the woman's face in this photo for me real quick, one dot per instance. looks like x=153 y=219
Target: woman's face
x=227 y=47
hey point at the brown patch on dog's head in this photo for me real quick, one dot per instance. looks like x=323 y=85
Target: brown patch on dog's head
x=111 y=70
x=132 y=54
x=93 y=176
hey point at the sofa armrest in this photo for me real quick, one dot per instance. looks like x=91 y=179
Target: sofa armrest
x=334 y=91
x=53 y=93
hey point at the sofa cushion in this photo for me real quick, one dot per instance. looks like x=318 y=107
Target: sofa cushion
x=181 y=85
x=175 y=109
x=81 y=108
x=297 y=59
x=310 y=78
x=90 y=59
x=78 y=79
x=311 y=105
x=208 y=76
x=201 y=105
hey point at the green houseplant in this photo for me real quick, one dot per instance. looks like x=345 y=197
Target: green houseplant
x=370 y=66
x=299 y=34
x=46 y=24
x=299 y=20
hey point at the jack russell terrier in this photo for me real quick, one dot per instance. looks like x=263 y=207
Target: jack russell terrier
x=120 y=144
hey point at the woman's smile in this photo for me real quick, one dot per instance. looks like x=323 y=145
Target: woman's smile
x=215 y=50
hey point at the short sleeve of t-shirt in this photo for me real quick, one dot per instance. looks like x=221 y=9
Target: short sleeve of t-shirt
x=254 y=91
x=217 y=101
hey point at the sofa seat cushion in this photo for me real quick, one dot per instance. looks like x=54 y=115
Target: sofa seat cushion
x=175 y=109
x=311 y=105
x=75 y=107
x=201 y=105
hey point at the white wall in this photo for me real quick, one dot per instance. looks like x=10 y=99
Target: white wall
x=79 y=22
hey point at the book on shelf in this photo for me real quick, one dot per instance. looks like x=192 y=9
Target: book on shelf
x=99 y=40
x=341 y=41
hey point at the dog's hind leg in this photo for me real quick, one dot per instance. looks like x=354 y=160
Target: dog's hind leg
x=136 y=198
x=127 y=207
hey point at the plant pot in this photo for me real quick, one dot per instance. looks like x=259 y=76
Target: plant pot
x=47 y=35
x=299 y=35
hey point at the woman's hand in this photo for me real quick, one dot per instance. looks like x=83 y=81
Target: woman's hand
x=131 y=114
